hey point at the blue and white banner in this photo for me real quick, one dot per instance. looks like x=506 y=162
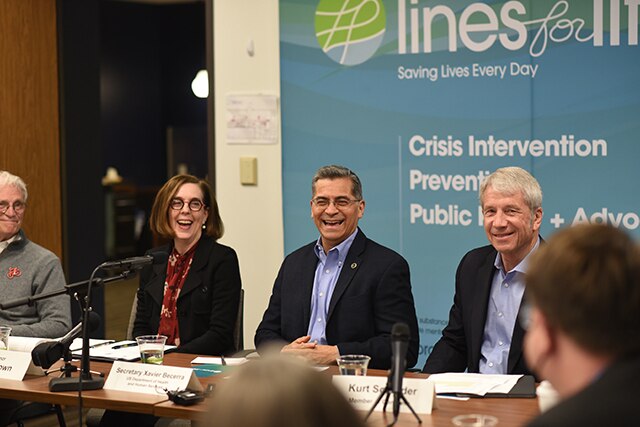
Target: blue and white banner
x=425 y=98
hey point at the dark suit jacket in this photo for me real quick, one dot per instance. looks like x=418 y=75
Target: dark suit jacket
x=372 y=293
x=459 y=347
x=611 y=400
x=208 y=301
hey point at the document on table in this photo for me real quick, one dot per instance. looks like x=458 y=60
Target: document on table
x=457 y=383
x=119 y=350
x=228 y=361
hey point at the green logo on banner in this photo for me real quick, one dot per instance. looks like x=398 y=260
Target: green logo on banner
x=350 y=31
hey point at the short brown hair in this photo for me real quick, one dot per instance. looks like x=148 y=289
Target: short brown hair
x=159 y=219
x=280 y=391
x=586 y=282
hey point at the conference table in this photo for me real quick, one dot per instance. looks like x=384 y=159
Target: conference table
x=509 y=411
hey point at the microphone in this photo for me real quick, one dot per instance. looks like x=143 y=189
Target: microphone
x=137 y=262
x=399 y=347
x=47 y=353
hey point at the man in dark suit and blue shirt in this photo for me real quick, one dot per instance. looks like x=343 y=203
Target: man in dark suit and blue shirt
x=482 y=334
x=342 y=293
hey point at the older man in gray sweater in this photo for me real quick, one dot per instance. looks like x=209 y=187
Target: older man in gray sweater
x=27 y=269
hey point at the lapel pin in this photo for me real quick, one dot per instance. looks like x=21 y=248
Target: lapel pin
x=354 y=265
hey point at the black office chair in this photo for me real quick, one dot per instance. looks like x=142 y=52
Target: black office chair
x=238 y=330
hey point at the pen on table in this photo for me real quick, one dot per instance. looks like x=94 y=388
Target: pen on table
x=224 y=362
x=129 y=344
x=102 y=343
x=95 y=345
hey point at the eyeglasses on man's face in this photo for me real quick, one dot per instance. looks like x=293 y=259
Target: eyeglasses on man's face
x=339 y=203
x=194 y=204
x=18 y=207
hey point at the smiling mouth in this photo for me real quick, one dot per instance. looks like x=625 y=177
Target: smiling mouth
x=332 y=223
x=502 y=235
x=184 y=223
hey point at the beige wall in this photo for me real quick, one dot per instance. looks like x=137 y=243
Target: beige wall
x=252 y=214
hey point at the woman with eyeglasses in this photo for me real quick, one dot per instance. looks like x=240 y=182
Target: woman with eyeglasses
x=193 y=298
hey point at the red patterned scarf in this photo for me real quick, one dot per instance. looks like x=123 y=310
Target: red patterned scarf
x=177 y=271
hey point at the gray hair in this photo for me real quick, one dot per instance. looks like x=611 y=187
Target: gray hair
x=7 y=178
x=512 y=180
x=336 y=172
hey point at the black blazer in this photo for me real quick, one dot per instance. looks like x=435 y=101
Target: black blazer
x=372 y=293
x=610 y=400
x=208 y=302
x=459 y=347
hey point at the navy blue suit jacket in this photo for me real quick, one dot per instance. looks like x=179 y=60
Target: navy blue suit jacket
x=372 y=293
x=459 y=347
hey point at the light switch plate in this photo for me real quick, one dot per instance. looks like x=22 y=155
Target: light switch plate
x=248 y=171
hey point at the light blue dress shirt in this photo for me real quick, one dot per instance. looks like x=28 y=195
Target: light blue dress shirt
x=507 y=290
x=327 y=273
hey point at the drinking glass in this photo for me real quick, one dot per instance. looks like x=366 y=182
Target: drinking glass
x=353 y=364
x=5 y=331
x=151 y=348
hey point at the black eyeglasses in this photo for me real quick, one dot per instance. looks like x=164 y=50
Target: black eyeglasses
x=18 y=207
x=195 y=205
x=340 y=202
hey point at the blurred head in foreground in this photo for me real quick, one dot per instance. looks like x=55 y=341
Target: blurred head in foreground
x=280 y=391
x=584 y=286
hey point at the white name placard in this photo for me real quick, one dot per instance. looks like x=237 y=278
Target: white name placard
x=14 y=364
x=150 y=379
x=362 y=392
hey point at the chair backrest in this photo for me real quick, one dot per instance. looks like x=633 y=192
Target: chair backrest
x=132 y=317
x=238 y=330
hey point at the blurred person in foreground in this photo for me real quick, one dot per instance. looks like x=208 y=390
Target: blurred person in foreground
x=280 y=391
x=583 y=327
x=193 y=298
x=342 y=293
x=483 y=335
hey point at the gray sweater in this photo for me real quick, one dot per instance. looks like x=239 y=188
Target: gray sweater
x=27 y=269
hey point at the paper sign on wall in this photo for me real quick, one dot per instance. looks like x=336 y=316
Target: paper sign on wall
x=150 y=379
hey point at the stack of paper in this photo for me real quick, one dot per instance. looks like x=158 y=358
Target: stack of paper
x=228 y=361
x=473 y=384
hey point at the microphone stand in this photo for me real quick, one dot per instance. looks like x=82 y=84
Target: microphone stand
x=397 y=396
x=78 y=291
x=59 y=384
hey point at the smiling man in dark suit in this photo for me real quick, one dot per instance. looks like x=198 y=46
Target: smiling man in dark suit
x=482 y=334
x=342 y=293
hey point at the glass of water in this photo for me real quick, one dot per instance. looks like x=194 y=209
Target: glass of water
x=151 y=348
x=474 y=420
x=353 y=364
x=5 y=331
